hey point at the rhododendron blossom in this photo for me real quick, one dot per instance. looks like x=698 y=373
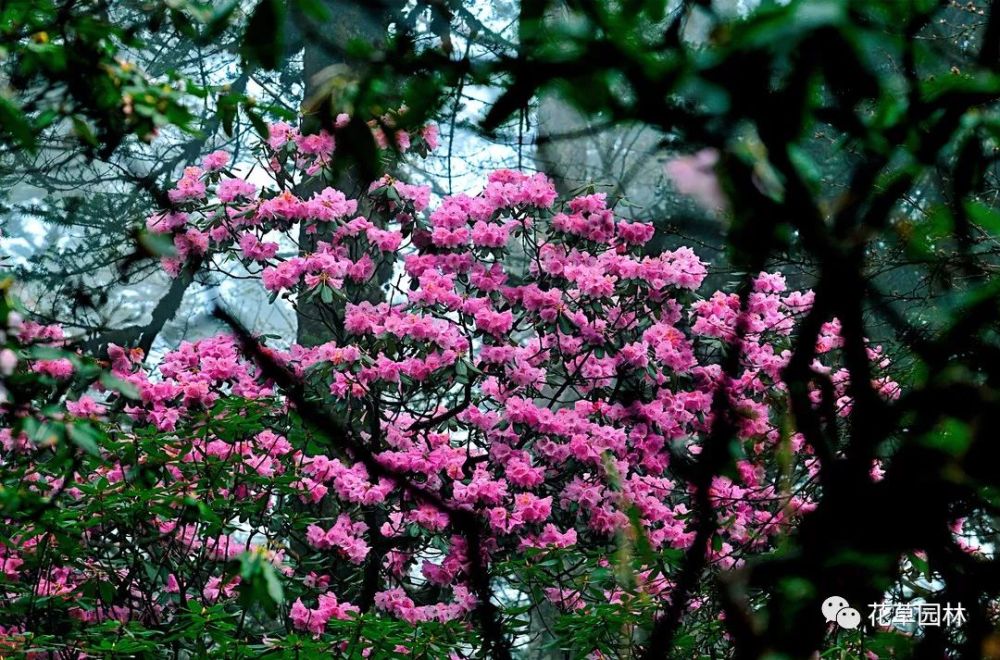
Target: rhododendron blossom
x=531 y=364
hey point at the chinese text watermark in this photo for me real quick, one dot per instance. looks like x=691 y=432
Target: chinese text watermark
x=920 y=614
x=881 y=615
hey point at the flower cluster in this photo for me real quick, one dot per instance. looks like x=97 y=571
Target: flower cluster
x=532 y=364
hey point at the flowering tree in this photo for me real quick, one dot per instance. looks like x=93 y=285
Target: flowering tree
x=511 y=428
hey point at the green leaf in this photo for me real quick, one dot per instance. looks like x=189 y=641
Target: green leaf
x=517 y=97
x=227 y=107
x=256 y=121
x=921 y=565
x=986 y=217
x=83 y=131
x=566 y=326
x=274 y=588
x=264 y=40
x=462 y=371
x=107 y=591
x=46 y=353
x=943 y=89
x=84 y=436
x=315 y=10
x=158 y=245
x=116 y=384
x=219 y=19
x=951 y=436
x=13 y=122
x=643 y=548
x=259 y=583
x=357 y=142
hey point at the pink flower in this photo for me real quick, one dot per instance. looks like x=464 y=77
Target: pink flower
x=695 y=176
x=330 y=204
x=386 y=241
x=278 y=134
x=215 y=161
x=283 y=276
x=551 y=536
x=8 y=362
x=60 y=368
x=489 y=235
x=191 y=242
x=318 y=144
x=532 y=508
x=255 y=250
x=521 y=473
x=566 y=599
x=166 y=221
x=635 y=233
x=315 y=620
x=229 y=190
x=345 y=536
x=189 y=187
x=430 y=135
x=495 y=323
x=285 y=206
x=85 y=407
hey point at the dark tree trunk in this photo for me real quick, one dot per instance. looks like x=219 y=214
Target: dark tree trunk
x=320 y=322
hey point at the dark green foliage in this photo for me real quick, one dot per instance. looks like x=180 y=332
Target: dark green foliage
x=264 y=41
x=64 y=61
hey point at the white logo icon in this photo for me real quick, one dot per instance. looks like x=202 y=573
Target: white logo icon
x=837 y=609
